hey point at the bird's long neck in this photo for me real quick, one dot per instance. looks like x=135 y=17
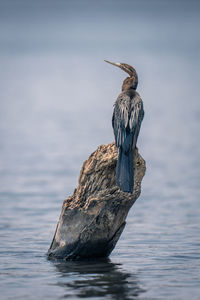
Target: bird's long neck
x=130 y=83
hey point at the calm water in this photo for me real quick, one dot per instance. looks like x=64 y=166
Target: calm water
x=56 y=101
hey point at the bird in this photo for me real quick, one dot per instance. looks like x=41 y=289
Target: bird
x=126 y=122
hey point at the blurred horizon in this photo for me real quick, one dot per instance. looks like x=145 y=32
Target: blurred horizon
x=53 y=61
x=56 y=105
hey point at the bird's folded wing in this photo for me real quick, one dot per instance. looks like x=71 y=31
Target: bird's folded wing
x=127 y=117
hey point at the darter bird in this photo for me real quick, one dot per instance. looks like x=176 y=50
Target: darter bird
x=126 y=121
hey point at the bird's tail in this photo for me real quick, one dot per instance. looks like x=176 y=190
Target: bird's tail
x=125 y=171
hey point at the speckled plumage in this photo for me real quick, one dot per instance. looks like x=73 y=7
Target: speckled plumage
x=126 y=121
x=127 y=118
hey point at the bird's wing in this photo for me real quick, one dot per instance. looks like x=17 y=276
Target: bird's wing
x=121 y=118
x=127 y=117
x=136 y=113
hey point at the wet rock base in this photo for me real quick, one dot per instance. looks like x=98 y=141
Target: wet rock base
x=93 y=218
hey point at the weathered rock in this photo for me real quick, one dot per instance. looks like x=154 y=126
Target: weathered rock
x=93 y=218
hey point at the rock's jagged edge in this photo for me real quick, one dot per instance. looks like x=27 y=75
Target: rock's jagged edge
x=93 y=218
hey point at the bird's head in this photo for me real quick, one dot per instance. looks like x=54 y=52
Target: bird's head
x=130 y=82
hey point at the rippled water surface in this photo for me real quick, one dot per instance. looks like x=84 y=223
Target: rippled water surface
x=56 y=101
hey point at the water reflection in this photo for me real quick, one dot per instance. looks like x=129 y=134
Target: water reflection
x=97 y=279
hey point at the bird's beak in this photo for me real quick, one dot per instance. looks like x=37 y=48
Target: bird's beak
x=112 y=63
x=126 y=68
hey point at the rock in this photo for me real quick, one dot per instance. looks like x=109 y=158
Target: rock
x=93 y=218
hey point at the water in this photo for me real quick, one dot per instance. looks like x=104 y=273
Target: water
x=56 y=102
